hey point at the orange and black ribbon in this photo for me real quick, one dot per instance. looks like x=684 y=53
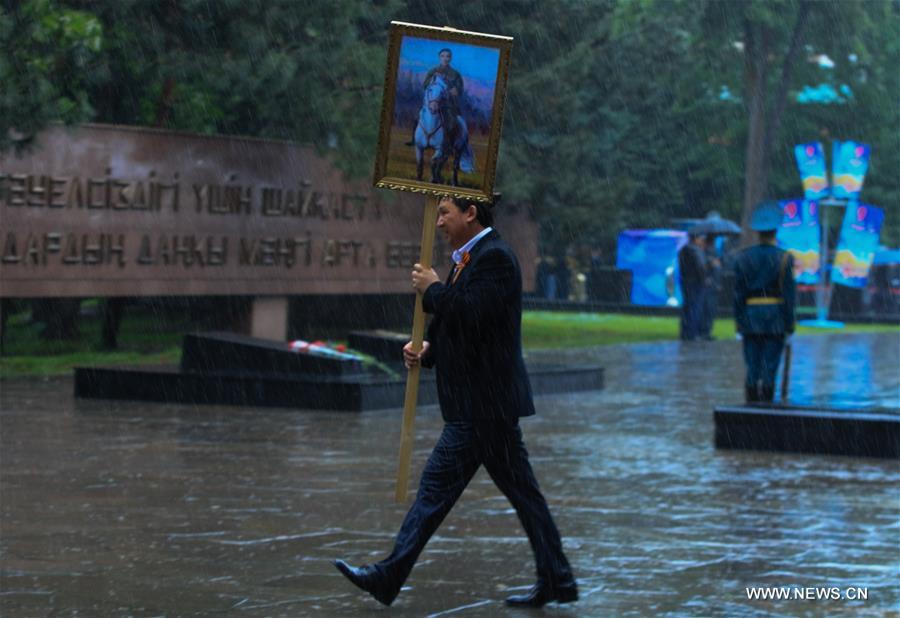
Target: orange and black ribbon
x=460 y=266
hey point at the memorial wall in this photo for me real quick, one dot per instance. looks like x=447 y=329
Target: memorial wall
x=119 y=211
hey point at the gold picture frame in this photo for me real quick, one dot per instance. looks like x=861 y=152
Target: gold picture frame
x=435 y=78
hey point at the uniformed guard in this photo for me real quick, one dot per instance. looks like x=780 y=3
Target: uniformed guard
x=764 y=299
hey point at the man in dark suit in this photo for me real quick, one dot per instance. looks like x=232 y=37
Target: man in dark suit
x=764 y=293
x=474 y=344
x=692 y=270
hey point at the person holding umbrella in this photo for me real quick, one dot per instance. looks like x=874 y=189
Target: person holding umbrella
x=764 y=300
x=713 y=227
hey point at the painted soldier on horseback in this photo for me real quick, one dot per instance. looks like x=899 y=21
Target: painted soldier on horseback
x=440 y=126
x=455 y=89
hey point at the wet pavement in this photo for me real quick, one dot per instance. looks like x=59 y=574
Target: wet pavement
x=142 y=509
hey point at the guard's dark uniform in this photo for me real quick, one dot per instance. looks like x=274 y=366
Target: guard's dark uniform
x=764 y=293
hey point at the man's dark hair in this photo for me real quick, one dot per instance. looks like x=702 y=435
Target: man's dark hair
x=446 y=49
x=482 y=209
x=767 y=236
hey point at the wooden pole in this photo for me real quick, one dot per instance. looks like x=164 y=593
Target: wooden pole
x=786 y=376
x=418 y=334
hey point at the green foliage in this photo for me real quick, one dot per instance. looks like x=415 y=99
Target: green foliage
x=861 y=38
x=48 y=50
x=549 y=329
x=616 y=113
x=308 y=72
x=143 y=340
x=140 y=333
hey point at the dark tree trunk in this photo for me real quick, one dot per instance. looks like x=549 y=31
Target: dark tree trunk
x=6 y=307
x=765 y=120
x=59 y=316
x=113 y=308
x=756 y=71
x=164 y=107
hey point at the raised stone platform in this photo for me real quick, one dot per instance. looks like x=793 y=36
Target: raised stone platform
x=220 y=368
x=871 y=432
x=208 y=353
x=385 y=346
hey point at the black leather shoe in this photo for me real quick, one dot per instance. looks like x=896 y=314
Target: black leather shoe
x=542 y=593
x=369 y=579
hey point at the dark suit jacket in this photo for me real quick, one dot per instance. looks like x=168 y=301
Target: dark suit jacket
x=764 y=271
x=691 y=266
x=476 y=337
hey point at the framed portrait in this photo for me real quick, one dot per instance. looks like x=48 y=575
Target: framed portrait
x=441 y=111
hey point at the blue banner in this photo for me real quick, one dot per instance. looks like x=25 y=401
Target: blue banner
x=857 y=245
x=799 y=233
x=885 y=255
x=811 y=164
x=849 y=164
x=652 y=258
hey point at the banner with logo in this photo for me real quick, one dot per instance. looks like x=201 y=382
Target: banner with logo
x=652 y=258
x=799 y=233
x=850 y=162
x=857 y=245
x=811 y=164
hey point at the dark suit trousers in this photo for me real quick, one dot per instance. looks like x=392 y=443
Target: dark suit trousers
x=693 y=306
x=461 y=449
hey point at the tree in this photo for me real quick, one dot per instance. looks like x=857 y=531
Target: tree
x=306 y=72
x=775 y=42
x=620 y=113
x=48 y=50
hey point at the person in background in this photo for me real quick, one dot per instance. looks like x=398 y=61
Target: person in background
x=563 y=277
x=595 y=277
x=541 y=273
x=551 y=281
x=692 y=268
x=711 y=291
x=764 y=300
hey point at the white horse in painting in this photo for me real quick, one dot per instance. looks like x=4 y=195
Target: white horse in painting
x=431 y=133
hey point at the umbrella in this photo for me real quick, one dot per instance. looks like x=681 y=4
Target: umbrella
x=715 y=226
